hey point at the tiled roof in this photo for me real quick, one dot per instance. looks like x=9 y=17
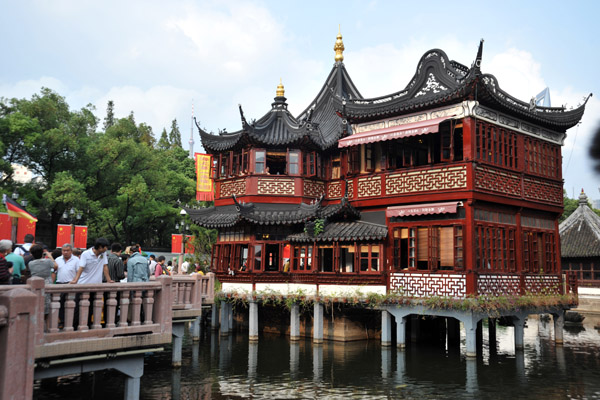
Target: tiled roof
x=580 y=232
x=270 y=213
x=439 y=81
x=344 y=231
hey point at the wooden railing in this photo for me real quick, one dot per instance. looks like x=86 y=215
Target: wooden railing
x=462 y=284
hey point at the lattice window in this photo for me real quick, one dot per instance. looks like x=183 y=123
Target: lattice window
x=496 y=145
x=543 y=158
x=494 y=248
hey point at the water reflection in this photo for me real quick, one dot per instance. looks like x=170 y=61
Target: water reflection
x=220 y=367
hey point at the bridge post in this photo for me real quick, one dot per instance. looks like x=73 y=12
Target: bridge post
x=196 y=328
x=318 y=323
x=253 y=321
x=295 y=322
x=18 y=326
x=386 y=328
x=178 y=331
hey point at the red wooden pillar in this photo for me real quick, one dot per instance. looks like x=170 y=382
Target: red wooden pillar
x=469 y=248
x=519 y=244
x=468 y=138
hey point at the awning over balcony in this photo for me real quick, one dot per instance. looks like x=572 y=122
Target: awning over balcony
x=394 y=132
x=422 y=209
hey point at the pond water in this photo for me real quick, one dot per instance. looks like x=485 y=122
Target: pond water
x=275 y=368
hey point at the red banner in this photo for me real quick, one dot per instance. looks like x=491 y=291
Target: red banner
x=80 y=237
x=176 y=242
x=63 y=235
x=204 y=185
x=25 y=226
x=5 y=226
x=189 y=244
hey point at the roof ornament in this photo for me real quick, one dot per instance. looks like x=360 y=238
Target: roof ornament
x=339 y=46
x=280 y=90
x=244 y=122
x=477 y=63
x=532 y=104
x=583 y=199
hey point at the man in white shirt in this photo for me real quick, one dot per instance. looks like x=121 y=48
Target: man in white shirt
x=93 y=263
x=152 y=264
x=67 y=265
x=28 y=239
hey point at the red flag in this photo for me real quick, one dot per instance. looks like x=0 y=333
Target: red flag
x=80 y=237
x=189 y=244
x=5 y=226
x=16 y=210
x=176 y=242
x=25 y=226
x=204 y=185
x=63 y=235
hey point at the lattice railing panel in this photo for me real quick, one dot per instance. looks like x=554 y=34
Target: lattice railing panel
x=543 y=284
x=428 y=285
x=313 y=189
x=334 y=190
x=369 y=187
x=426 y=180
x=497 y=181
x=498 y=285
x=536 y=189
x=276 y=186
x=237 y=187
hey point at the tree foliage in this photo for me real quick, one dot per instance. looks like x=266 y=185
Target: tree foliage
x=125 y=185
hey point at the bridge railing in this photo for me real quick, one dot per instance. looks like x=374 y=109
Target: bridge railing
x=190 y=292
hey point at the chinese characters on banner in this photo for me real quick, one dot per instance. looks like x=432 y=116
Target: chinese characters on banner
x=176 y=242
x=204 y=185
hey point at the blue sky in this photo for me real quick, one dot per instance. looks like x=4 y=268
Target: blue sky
x=155 y=57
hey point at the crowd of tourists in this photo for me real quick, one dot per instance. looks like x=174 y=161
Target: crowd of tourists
x=69 y=265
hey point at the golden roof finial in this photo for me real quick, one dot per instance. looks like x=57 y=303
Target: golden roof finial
x=339 y=46
x=280 y=90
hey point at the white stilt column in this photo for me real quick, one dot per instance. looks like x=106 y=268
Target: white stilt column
x=519 y=324
x=318 y=323
x=470 y=323
x=295 y=322
x=386 y=328
x=559 y=322
x=230 y=316
x=401 y=333
x=253 y=322
x=214 y=317
x=224 y=318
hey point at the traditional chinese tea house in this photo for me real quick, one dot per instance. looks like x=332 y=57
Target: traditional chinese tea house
x=448 y=187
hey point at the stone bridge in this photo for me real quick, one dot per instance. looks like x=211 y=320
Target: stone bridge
x=93 y=327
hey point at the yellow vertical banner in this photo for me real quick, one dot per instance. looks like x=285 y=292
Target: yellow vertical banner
x=204 y=185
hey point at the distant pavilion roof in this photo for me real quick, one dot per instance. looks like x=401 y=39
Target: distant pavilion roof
x=580 y=232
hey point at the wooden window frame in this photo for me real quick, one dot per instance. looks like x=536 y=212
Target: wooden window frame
x=256 y=163
x=298 y=154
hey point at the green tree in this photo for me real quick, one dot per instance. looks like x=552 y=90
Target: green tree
x=175 y=135
x=163 y=142
x=109 y=120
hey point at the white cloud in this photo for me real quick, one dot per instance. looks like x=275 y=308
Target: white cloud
x=29 y=87
x=156 y=106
